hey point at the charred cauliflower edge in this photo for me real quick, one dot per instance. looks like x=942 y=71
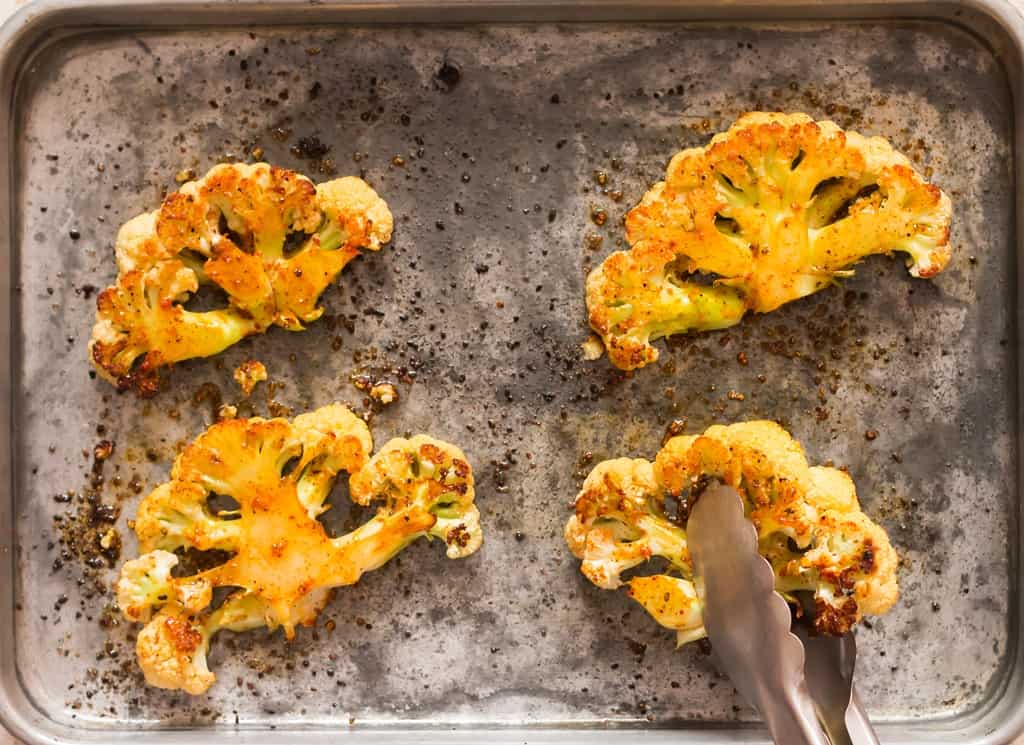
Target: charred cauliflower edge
x=282 y=563
x=772 y=210
x=809 y=524
x=235 y=229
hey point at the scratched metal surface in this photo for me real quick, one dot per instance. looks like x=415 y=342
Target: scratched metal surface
x=485 y=302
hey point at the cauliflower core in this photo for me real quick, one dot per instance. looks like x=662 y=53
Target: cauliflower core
x=282 y=564
x=772 y=210
x=269 y=238
x=809 y=524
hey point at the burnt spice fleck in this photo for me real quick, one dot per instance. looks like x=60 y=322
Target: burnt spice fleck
x=447 y=76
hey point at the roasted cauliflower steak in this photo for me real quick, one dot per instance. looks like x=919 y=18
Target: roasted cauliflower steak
x=772 y=210
x=282 y=564
x=809 y=524
x=269 y=238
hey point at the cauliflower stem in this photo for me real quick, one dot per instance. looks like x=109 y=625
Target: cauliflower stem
x=282 y=562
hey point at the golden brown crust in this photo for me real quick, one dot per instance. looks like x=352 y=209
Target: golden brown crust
x=835 y=619
x=280 y=561
x=421 y=469
x=809 y=522
x=281 y=551
x=229 y=230
x=772 y=210
x=172 y=652
x=183 y=636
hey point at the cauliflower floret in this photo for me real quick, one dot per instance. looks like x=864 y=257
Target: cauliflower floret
x=142 y=316
x=284 y=564
x=760 y=455
x=772 y=210
x=176 y=515
x=620 y=522
x=673 y=603
x=137 y=246
x=171 y=650
x=144 y=583
x=318 y=431
x=354 y=214
x=430 y=478
x=230 y=229
x=353 y=217
x=810 y=526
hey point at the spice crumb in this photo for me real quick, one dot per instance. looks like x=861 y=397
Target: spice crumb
x=248 y=374
x=384 y=393
x=593 y=348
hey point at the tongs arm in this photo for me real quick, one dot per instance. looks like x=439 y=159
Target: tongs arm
x=747 y=621
x=829 y=669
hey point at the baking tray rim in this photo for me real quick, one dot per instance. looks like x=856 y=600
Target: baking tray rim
x=1000 y=25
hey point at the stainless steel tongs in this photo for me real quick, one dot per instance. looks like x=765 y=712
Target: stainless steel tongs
x=801 y=685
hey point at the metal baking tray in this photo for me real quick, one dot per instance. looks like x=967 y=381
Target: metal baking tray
x=483 y=125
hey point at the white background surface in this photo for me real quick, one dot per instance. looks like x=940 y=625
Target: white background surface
x=7 y=7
